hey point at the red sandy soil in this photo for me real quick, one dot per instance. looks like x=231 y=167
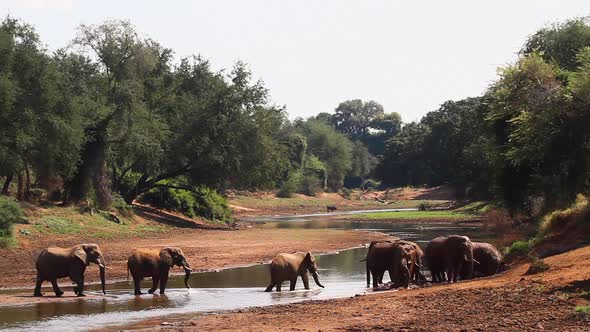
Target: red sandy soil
x=511 y=301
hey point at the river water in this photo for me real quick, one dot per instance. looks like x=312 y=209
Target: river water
x=342 y=274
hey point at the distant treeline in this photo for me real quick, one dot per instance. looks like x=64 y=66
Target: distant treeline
x=114 y=113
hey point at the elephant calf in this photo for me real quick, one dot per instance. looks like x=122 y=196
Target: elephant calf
x=156 y=264
x=289 y=267
x=54 y=263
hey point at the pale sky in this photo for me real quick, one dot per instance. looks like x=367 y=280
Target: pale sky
x=410 y=56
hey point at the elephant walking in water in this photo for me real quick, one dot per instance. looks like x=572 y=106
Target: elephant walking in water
x=453 y=254
x=394 y=257
x=54 y=263
x=156 y=264
x=290 y=267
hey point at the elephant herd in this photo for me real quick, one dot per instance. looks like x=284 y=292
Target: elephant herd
x=448 y=258
x=54 y=263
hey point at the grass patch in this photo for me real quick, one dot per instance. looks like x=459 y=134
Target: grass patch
x=7 y=241
x=477 y=207
x=446 y=215
x=537 y=266
x=320 y=203
x=582 y=309
x=578 y=213
x=69 y=221
x=519 y=247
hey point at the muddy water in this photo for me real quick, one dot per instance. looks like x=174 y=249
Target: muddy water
x=341 y=273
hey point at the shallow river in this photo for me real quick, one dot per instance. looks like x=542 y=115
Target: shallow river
x=342 y=274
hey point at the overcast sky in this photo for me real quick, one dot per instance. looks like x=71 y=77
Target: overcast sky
x=409 y=56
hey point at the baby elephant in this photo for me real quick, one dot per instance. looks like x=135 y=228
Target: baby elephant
x=156 y=264
x=54 y=263
x=289 y=267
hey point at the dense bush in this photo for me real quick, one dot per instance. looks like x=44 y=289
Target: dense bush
x=10 y=213
x=291 y=185
x=519 y=247
x=370 y=184
x=203 y=202
x=121 y=206
x=310 y=185
x=346 y=193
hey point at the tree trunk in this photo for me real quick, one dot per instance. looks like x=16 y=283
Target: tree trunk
x=20 y=193
x=92 y=170
x=27 y=183
x=102 y=186
x=6 y=184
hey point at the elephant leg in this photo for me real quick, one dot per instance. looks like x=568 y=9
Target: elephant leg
x=137 y=284
x=58 y=292
x=38 y=287
x=269 y=288
x=155 y=282
x=292 y=284
x=375 y=279
x=79 y=289
x=279 y=286
x=305 y=279
x=163 y=282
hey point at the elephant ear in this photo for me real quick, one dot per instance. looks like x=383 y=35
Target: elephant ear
x=81 y=254
x=166 y=257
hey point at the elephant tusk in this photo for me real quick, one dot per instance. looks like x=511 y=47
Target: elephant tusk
x=476 y=262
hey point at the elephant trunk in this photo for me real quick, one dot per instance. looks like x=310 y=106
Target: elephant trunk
x=187 y=273
x=102 y=268
x=316 y=278
x=102 y=279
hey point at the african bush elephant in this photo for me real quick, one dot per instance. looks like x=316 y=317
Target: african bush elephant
x=156 y=264
x=435 y=258
x=489 y=260
x=54 y=263
x=452 y=254
x=289 y=267
x=417 y=261
x=393 y=257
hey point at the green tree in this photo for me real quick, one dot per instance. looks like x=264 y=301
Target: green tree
x=332 y=148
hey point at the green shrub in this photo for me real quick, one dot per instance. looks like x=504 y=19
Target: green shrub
x=370 y=184
x=291 y=185
x=537 y=266
x=423 y=206
x=582 y=309
x=346 y=193
x=10 y=213
x=122 y=207
x=519 y=247
x=203 y=202
x=311 y=185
